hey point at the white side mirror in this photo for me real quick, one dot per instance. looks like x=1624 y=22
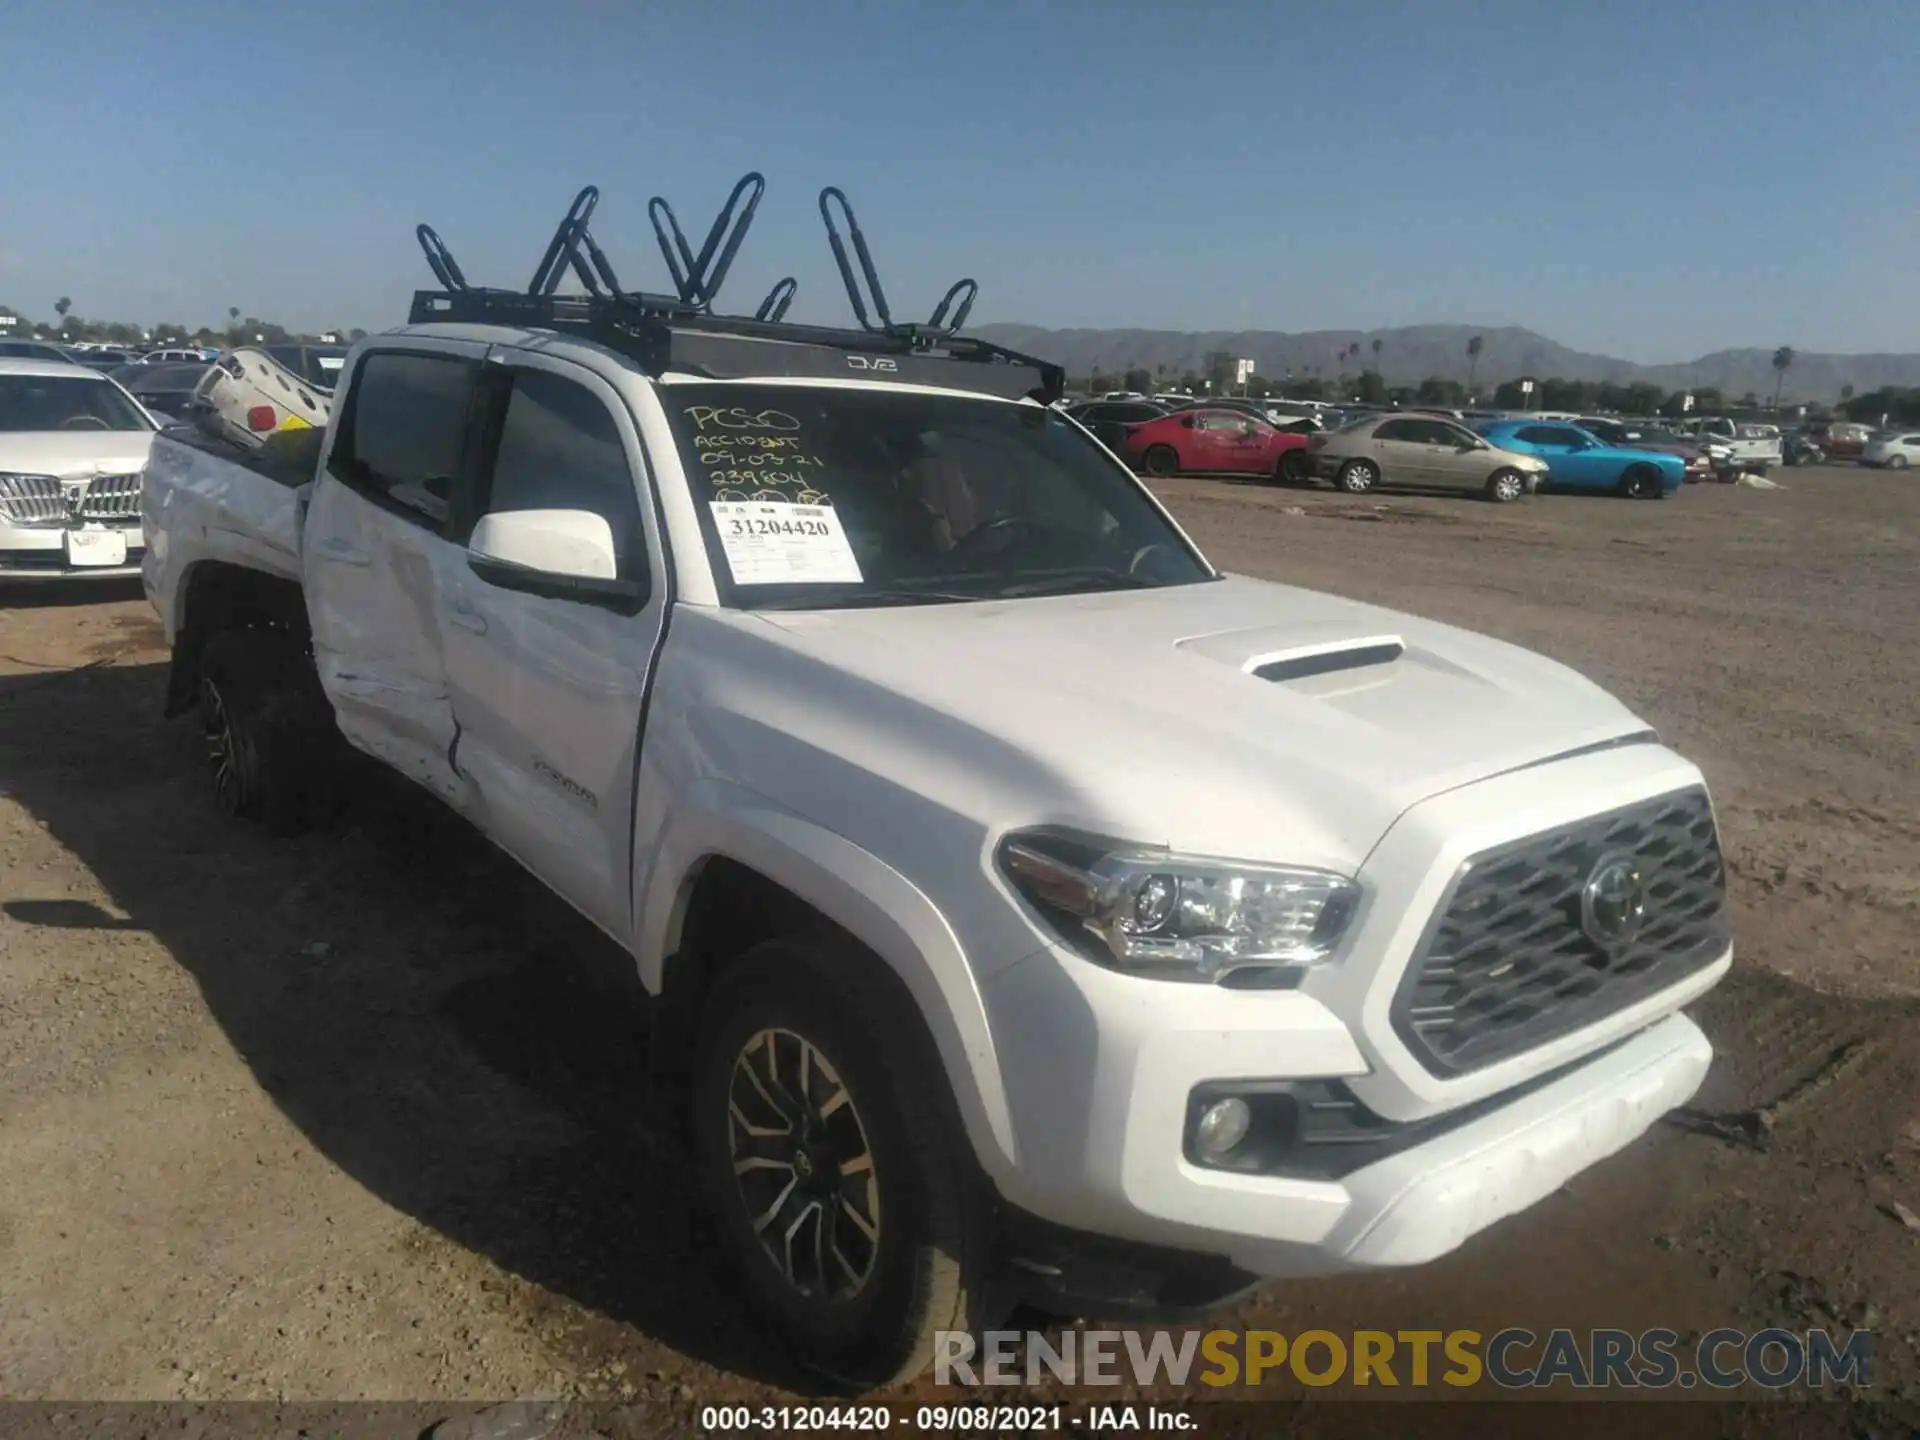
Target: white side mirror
x=569 y=544
x=556 y=554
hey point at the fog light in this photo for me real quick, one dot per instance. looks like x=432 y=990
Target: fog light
x=1222 y=1126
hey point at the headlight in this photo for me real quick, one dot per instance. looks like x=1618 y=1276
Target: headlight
x=1180 y=917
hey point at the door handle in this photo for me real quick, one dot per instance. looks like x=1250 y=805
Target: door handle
x=468 y=618
x=342 y=553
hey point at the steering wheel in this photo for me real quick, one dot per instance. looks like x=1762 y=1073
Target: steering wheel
x=83 y=422
x=979 y=538
x=1140 y=556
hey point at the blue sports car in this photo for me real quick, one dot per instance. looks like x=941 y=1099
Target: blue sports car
x=1578 y=460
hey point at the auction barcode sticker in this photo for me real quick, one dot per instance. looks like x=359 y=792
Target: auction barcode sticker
x=784 y=544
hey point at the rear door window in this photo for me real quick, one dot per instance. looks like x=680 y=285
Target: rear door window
x=406 y=432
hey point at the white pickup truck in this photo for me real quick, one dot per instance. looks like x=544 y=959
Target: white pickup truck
x=1738 y=448
x=1035 y=914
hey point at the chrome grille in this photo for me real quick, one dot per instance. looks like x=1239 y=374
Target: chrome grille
x=111 y=497
x=32 y=500
x=1508 y=964
x=48 y=500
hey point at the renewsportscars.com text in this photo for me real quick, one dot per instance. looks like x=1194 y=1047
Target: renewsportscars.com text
x=1514 y=1359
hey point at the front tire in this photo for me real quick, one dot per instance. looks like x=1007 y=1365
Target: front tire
x=845 y=1201
x=1898 y=462
x=1642 y=482
x=1163 y=460
x=271 y=745
x=1293 y=469
x=1506 y=486
x=1357 y=477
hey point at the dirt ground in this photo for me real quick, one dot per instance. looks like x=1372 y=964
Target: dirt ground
x=352 y=1116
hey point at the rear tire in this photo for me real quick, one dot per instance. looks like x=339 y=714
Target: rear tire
x=1163 y=460
x=1505 y=486
x=812 y=1070
x=1357 y=477
x=271 y=742
x=1642 y=482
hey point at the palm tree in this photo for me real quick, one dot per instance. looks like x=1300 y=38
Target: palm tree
x=1782 y=362
x=1846 y=393
x=1377 y=344
x=60 y=308
x=1474 y=347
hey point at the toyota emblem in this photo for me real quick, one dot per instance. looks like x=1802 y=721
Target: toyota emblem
x=1613 y=902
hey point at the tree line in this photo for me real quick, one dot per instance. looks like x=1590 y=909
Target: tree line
x=1368 y=387
x=68 y=327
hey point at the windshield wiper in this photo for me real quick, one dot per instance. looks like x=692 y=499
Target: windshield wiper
x=868 y=600
x=1074 y=582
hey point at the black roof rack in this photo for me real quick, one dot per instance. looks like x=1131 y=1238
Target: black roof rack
x=679 y=332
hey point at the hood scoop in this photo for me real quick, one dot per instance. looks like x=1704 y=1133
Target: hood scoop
x=1282 y=654
x=1307 y=663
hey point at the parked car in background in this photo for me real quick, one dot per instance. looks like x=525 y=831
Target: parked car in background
x=256 y=390
x=1217 y=440
x=1799 y=447
x=1750 y=447
x=167 y=389
x=1892 y=450
x=32 y=350
x=73 y=446
x=1578 y=460
x=100 y=358
x=1842 y=439
x=1419 y=450
x=172 y=357
x=1110 y=420
x=1632 y=435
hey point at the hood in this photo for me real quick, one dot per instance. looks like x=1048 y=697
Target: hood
x=1235 y=717
x=1519 y=459
x=72 y=454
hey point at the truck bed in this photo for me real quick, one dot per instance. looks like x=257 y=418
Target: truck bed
x=207 y=499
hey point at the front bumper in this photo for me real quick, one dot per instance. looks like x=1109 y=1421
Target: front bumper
x=1100 y=1066
x=38 y=553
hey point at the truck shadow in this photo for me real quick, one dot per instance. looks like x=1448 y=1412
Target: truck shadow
x=440 y=1026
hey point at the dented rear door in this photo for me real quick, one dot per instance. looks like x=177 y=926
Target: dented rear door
x=376 y=554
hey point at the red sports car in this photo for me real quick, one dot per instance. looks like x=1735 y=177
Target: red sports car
x=1210 y=441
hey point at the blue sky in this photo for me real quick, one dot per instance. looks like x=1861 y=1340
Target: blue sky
x=1646 y=178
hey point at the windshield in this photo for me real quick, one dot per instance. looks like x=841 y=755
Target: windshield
x=817 y=497
x=65 y=402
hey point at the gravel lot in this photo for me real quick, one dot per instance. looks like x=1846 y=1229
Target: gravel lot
x=352 y=1116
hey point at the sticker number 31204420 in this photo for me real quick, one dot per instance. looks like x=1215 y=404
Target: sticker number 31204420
x=768 y=544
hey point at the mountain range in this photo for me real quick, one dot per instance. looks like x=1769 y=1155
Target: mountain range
x=1409 y=355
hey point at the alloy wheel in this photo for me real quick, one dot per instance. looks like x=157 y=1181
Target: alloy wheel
x=803 y=1166
x=216 y=727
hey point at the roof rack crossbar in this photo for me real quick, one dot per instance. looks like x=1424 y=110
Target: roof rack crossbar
x=698 y=278
x=774 y=308
x=440 y=259
x=938 y=328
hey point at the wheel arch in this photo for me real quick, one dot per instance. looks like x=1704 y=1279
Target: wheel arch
x=735 y=870
x=214 y=595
